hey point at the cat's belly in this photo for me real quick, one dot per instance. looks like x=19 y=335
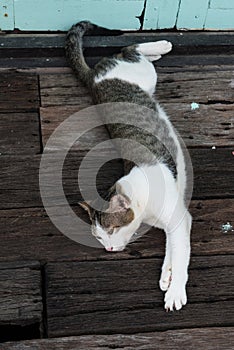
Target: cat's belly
x=141 y=73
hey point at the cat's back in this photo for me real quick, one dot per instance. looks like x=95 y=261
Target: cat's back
x=118 y=90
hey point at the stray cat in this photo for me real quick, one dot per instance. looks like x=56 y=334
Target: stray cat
x=157 y=178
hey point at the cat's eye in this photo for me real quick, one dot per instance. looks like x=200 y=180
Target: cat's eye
x=98 y=237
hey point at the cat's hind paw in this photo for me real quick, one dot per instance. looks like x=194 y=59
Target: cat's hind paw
x=154 y=49
x=162 y=47
x=175 y=298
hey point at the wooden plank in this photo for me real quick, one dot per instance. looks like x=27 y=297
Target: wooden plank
x=95 y=298
x=23 y=191
x=20 y=297
x=208 y=125
x=36 y=15
x=205 y=126
x=19 y=92
x=22 y=229
x=220 y=19
x=178 y=87
x=174 y=61
x=190 y=339
x=19 y=133
x=196 y=87
x=52 y=117
x=209 y=165
x=63 y=90
x=192 y=14
x=160 y=14
x=19 y=181
x=210 y=179
x=184 y=39
x=213 y=170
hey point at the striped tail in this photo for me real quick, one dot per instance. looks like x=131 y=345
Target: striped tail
x=74 y=47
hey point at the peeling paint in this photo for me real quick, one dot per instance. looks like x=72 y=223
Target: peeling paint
x=142 y=15
x=194 y=106
x=227 y=227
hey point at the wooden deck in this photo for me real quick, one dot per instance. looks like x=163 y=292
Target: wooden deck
x=76 y=297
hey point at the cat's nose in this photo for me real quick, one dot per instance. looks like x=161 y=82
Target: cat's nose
x=109 y=249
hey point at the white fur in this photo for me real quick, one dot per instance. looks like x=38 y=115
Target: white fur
x=153 y=50
x=160 y=200
x=158 y=203
x=141 y=73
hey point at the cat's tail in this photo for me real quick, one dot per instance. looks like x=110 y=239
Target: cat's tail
x=74 y=47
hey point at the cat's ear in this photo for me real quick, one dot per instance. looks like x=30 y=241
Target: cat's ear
x=126 y=217
x=119 y=212
x=118 y=203
x=87 y=207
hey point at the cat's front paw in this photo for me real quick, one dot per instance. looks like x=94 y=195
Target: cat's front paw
x=175 y=297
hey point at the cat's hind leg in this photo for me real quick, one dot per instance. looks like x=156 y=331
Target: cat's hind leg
x=154 y=50
x=179 y=240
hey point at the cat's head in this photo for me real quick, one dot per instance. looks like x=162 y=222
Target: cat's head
x=115 y=226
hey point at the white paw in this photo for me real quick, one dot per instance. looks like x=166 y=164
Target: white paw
x=152 y=58
x=154 y=49
x=175 y=298
x=165 y=279
x=162 y=47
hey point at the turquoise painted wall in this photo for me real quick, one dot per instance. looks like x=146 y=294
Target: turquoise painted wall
x=44 y=15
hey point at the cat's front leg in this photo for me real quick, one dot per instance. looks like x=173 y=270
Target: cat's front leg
x=179 y=240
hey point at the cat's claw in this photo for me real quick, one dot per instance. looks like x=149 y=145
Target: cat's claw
x=165 y=279
x=175 y=298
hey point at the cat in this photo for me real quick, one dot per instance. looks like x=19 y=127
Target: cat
x=152 y=191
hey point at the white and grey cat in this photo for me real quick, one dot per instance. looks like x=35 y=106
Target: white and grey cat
x=153 y=190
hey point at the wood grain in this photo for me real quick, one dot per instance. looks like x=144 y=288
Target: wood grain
x=190 y=339
x=209 y=125
x=213 y=176
x=206 y=126
x=19 y=133
x=63 y=89
x=95 y=298
x=24 y=229
x=173 y=61
x=174 y=87
x=52 y=117
x=192 y=40
x=196 y=87
x=19 y=92
x=20 y=295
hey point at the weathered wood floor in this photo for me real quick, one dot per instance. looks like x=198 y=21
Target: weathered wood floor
x=85 y=298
